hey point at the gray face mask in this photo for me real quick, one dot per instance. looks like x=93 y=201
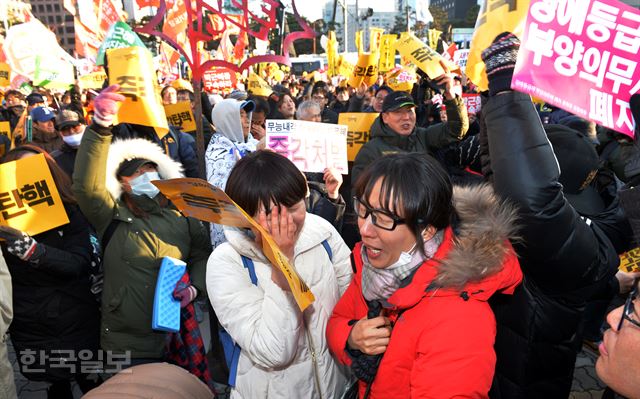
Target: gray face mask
x=142 y=185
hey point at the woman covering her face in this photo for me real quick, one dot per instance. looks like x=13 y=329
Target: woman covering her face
x=415 y=317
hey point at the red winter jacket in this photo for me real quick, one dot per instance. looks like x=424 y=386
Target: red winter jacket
x=442 y=344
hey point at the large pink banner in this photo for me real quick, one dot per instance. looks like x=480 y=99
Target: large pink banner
x=582 y=56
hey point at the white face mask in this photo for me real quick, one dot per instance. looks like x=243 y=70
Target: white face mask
x=142 y=185
x=73 y=140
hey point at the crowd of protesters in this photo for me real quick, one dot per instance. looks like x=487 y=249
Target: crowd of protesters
x=463 y=255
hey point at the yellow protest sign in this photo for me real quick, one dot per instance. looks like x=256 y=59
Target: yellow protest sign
x=495 y=17
x=29 y=199
x=358 y=127
x=129 y=67
x=5 y=74
x=366 y=70
x=345 y=68
x=630 y=261
x=401 y=79
x=199 y=199
x=359 y=42
x=332 y=54
x=434 y=35
x=93 y=80
x=387 y=53
x=5 y=129
x=179 y=114
x=258 y=86
x=421 y=55
x=375 y=38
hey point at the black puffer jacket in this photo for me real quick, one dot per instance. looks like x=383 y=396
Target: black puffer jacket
x=565 y=258
x=53 y=307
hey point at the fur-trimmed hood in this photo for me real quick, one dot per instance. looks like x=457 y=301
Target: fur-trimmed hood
x=122 y=150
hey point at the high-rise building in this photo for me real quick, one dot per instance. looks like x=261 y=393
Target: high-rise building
x=53 y=14
x=455 y=9
x=384 y=20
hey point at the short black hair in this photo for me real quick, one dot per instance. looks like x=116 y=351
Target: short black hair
x=261 y=104
x=262 y=177
x=415 y=187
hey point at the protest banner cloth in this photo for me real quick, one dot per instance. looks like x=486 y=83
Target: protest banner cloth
x=387 y=53
x=375 y=39
x=359 y=42
x=421 y=55
x=358 y=127
x=258 y=86
x=53 y=73
x=220 y=79
x=591 y=48
x=366 y=70
x=199 y=199
x=5 y=74
x=87 y=42
x=311 y=146
x=495 y=17
x=332 y=54
x=401 y=79
x=5 y=129
x=92 y=80
x=630 y=261
x=179 y=114
x=129 y=67
x=472 y=102
x=29 y=199
x=119 y=35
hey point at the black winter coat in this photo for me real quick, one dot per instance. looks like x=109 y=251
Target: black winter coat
x=53 y=307
x=565 y=258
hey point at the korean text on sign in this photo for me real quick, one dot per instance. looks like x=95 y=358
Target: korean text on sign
x=311 y=146
x=358 y=127
x=29 y=200
x=179 y=114
x=591 y=47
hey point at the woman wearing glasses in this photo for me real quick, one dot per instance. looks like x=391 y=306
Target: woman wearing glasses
x=619 y=365
x=415 y=321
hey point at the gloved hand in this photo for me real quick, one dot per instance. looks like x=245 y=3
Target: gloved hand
x=106 y=105
x=185 y=295
x=21 y=244
x=500 y=61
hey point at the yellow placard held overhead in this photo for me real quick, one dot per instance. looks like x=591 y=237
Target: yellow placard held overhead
x=495 y=17
x=421 y=55
x=179 y=114
x=434 y=35
x=129 y=67
x=258 y=86
x=375 y=38
x=93 y=80
x=5 y=74
x=358 y=127
x=366 y=70
x=387 y=53
x=630 y=261
x=199 y=199
x=332 y=54
x=359 y=42
x=401 y=79
x=29 y=197
x=345 y=68
x=5 y=129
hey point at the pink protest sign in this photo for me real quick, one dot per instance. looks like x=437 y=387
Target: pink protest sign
x=582 y=57
x=472 y=101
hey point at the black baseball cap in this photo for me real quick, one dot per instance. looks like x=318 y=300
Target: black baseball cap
x=579 y=164
x=34 y=98
x=129 y=166
x=396 y=100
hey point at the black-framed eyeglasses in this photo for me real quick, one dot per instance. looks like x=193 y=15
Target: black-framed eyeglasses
x=379 y=217
x=629 y=309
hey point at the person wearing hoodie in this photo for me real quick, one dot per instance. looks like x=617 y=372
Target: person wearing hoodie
x=416 y=317
x=395 y=128
x=112 y=184
x=230 y=142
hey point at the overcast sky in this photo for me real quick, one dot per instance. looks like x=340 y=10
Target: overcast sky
x=312 y=9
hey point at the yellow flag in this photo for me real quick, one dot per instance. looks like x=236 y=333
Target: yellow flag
x=199 y=199
x=93 y=80
x=387 y=53
x=375 y=38
x=359 y=42
x=179 y=114
x=258 y=86
x=366 y=70
x=129 y=67
x=358 y=127
x=401 y=79
x=5 y=74
x=422 y=55
x=495 y=17
x=5 y=129
x=332 y=54
x=630 y=261
x=31 y=201
x=434 y=35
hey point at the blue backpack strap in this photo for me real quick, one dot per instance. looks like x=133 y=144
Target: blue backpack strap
x=327 y=248
x=235 y=355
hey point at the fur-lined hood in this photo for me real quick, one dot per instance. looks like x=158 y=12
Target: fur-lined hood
x=122 y=150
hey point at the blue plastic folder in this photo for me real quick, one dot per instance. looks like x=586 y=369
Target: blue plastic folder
x=166 y=309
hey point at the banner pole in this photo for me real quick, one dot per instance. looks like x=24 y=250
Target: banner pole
x=197 y=89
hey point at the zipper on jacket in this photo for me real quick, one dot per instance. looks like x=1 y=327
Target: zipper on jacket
x=314 y=360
